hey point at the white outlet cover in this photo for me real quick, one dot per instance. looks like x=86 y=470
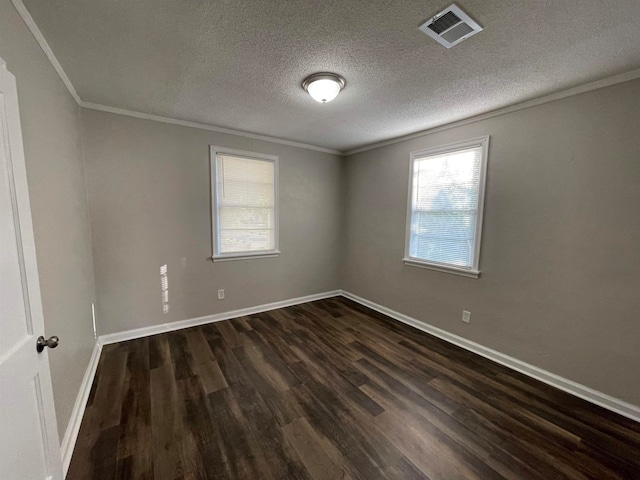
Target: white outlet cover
x=221 y=294
x=466 y=316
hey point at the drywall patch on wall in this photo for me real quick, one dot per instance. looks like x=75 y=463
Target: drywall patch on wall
x=218 y=317
x=149 y=187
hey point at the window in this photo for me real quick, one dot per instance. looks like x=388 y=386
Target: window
x=446 y=196
x=245 y=204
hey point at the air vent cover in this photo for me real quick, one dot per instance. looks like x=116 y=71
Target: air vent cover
x=451 y=26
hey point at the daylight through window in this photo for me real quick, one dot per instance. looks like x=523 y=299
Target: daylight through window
x=444 y=221
x=244 y=204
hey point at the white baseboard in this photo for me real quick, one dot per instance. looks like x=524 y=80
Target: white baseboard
x=171 y=326
x=606 y=401
x=73 y=427
x=589 y=394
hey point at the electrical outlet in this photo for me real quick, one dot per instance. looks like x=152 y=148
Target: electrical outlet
x=221 y=294
x=466 y=316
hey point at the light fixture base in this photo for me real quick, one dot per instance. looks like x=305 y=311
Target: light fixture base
x=336 y=79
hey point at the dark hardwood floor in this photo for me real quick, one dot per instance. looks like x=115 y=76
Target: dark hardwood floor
x=332 y=390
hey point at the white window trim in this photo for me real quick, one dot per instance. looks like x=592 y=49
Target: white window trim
x=474 y=271
x=218 y=257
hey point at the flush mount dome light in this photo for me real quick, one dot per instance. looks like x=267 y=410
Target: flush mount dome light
x=323 y=87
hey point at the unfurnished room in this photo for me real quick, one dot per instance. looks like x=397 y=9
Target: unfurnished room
x=298 y=239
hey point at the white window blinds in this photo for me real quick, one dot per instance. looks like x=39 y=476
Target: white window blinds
x=445 y=208
x=245 y=204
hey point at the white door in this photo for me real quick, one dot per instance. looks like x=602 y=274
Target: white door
x=29 y=445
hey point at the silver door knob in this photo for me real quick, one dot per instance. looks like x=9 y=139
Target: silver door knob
x=43 y=342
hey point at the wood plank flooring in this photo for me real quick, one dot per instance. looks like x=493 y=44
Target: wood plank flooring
x=332 y=390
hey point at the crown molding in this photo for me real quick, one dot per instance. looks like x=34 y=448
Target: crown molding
x=44 y=45
x=203 y=126
x=587 y=87
x=37 y=34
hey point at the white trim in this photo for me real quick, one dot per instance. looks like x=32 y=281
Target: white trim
x=570 y=92
x=587 y=87
x=246 y=256
x=73 y=427
x=37 y=34
x=463 y=272
x=44 y=45
x=204 y=126
x=473 y=270
x=242 y=154
x=18 y=184
x=234 y=152
x=606 y=401
x=217 y=317
x=586 y=393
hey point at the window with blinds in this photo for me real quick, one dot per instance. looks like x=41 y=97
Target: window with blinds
x=446 y=196
x=245 y=213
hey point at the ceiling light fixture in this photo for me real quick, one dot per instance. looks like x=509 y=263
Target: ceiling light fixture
x=323 y=87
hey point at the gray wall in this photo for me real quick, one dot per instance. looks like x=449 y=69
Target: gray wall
x=560 y=260
x=53 y=151
x=149 y=196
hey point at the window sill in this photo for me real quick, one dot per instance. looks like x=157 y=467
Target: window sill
x=246 y=256
x=464 y=272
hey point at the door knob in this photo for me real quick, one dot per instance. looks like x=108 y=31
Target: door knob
x=43 y=342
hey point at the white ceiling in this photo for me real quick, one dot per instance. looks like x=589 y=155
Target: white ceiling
x=239 y=63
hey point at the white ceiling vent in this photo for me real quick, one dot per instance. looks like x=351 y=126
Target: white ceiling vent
x=451 y=26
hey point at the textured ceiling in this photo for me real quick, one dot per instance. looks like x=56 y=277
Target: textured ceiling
x=239 y=63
